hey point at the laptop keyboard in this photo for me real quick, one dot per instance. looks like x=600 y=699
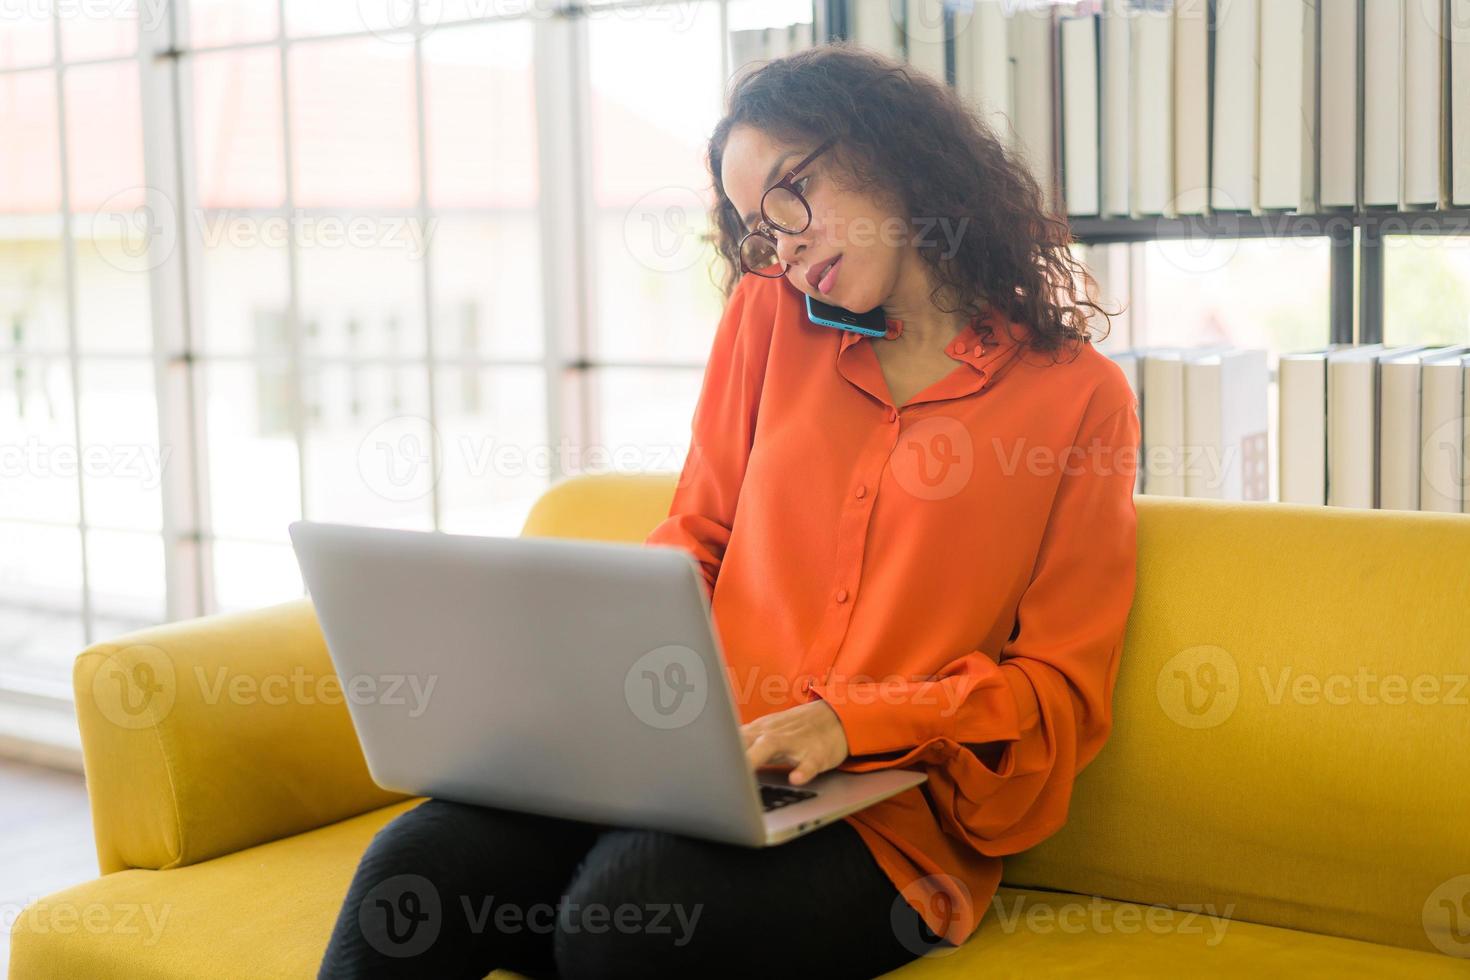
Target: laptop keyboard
x=775 y=797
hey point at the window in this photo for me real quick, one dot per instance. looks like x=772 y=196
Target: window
x=419 y=260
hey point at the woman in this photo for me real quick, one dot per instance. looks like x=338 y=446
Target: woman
x=919 y=550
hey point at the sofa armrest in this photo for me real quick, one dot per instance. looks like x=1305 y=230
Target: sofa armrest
x=211 y=735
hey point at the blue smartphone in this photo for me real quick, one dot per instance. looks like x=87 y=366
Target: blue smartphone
x=872 y=323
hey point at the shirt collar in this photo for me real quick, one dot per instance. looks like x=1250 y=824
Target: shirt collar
x=985 y=344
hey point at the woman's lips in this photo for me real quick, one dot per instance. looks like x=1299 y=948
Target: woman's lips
x=829 y=278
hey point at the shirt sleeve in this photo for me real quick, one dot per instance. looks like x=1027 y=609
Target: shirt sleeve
x=722 y=431
x=1002 y=741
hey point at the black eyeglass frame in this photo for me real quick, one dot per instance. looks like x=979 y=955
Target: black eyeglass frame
x=787 y=184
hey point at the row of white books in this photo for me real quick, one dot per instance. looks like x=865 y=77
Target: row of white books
x=1375 y=426
x=1361 y=425
x=1117 y=97
x=1203 y=416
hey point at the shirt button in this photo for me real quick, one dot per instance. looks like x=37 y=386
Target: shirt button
x=959 y=348
x=892 y=415
x=861 y=492
x=979 y=351
x=806 y=685
x=841 y=595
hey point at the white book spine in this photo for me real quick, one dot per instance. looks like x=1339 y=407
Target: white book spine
x=1236 y=185
x=1420 y=112
x=1383 y=47
x=1340 y=102
x=1191 y=107
x=1459 y=27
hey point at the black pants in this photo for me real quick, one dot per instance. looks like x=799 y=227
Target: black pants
x=449 y=890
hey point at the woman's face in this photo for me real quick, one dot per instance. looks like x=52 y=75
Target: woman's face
x=868 y=238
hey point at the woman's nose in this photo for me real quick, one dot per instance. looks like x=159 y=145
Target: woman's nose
x=789 y=247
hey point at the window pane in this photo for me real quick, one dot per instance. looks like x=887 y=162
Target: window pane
x=367 y=450
x=121 y=463
x=237 y=133
x=27 y=38
x=104 y=137
x=481 y=117
x=32 y=288
x=115 y=250
x=353 y=128
x=761 y=29
x=248 y=575
x=487 y=286
x=650 y=184
x=1426 y=289
x=1267 y=293
x=40 y=642
x=497 y=459
x=30 y=178
x=105 y=30
x=38 y=449
x=642 y=417
x=125 y=573
x=214 y=22
x=40 y=599
x=362 y=300
x=387 y=18
x=251 y=433
x=243 y=291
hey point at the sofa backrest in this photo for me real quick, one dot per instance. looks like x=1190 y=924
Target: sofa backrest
x=1290 y=716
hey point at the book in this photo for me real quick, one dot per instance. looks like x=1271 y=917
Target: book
x=1301 y=421
x=1225 y=425
x=1383 y=48
x=1191 y=189
x=1288 y=109
x=1115 y=110
x=1443 y=406
x=1339 y=103
x=1399 y=405
x=1151 y=92
x=1421 y=111
x=1080 y=176
x=1236 y=179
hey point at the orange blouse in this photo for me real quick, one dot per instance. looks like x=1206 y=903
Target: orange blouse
x=953 y=576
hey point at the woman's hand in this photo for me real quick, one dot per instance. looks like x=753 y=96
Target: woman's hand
x=808 y=737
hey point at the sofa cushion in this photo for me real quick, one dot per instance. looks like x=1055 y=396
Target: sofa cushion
x=267 y=912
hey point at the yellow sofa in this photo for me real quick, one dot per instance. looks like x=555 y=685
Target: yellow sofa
x=1284 y=792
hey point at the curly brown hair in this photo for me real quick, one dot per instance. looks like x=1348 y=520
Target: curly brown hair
x=913 y=141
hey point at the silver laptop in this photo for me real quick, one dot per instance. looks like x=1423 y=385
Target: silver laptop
x=572 y=678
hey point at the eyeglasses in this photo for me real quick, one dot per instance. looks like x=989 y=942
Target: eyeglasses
x=783 y=209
